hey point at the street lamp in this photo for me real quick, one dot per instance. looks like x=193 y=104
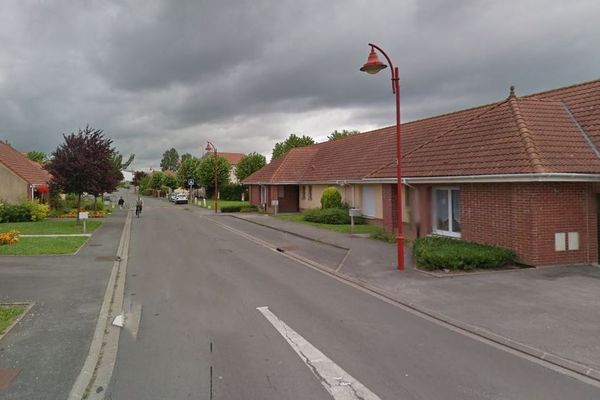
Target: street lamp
x=373 y=66
x=211 y=147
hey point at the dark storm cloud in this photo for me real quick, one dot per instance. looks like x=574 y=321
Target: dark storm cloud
x=161 y=74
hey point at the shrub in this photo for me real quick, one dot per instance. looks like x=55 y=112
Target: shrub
x=334 y=216
x=331 y=198
x=15 y=213
x=10 y=237
x=386 y=237
x=230 y=209
x=232 y=192
x=37 y=211
x=248 y=209
x=437 y=252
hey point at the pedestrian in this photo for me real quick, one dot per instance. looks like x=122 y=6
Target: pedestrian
x=121 y=202
x=138 y=206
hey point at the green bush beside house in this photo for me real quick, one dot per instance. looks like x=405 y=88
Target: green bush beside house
x=437 y=252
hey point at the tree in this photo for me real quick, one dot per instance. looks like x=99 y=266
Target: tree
x=83 y=163
x=249 y=164
x=206 y=172
x=185 y=156
x=118 y=160
x=341 y=134
x=292 y=141
x=38 y=156
x=137 y=176
x=170 y=160
x=189 y=169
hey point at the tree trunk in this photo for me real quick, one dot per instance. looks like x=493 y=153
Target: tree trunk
x=95 y=201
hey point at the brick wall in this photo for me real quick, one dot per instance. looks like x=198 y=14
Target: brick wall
x=254 y=195
x=525 y=217
x=520 y=216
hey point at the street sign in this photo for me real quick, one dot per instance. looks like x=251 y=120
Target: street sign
x=274 y=203
x=191 y=182
x=84 y=215
x=355 y=212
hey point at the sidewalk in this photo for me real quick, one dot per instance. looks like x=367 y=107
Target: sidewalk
x=551 y=313
x=49 y=345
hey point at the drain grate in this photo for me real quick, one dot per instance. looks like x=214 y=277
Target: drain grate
x=7 y=375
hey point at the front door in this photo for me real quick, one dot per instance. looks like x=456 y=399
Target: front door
x=368 y=201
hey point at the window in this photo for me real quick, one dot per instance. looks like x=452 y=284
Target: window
x=263 y=194
x=446 y=211
x=310 y=192
x=406 y=196
x=280 y=192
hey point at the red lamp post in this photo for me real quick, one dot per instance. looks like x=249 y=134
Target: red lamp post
x=211 y=147
x=373 y=66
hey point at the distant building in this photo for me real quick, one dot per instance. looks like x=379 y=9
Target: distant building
x=20 y=178
x=233 y=159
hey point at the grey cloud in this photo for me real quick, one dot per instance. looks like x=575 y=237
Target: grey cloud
x=160 y=74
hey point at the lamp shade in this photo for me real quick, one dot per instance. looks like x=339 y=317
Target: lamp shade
x=208 y=147
x=373 y=65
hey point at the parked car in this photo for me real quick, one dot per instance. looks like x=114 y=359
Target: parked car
x=181 y=198
x=172 y=196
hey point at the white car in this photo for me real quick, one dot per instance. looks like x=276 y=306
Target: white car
x=181 y=198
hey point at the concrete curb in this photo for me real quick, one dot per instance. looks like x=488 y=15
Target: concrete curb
x=95 y=374
x=572 y=366
x=28 y=307
x=291 y=233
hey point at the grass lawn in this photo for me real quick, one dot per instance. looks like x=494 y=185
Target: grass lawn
x=36 y=246
x=49 y=227
x=8 y=314
x=224 y=203
x=297 y=217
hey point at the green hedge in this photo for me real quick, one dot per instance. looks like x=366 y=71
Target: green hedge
x=436 y=252
x=334 y=216
x=232 y=192
x=230 y=209
x=29 y=210
x=248 y=209
x=331 y=198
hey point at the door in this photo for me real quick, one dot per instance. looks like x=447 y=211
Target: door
x=368 y=201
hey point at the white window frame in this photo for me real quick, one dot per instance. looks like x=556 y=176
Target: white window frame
x=448 y=190
x=263 y=194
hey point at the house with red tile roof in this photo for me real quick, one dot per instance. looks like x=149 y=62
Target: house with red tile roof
x=521 y=173
x=233 y=159
x=20 y=178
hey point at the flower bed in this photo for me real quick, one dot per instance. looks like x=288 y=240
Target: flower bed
x=10 y=237
x=91 y=214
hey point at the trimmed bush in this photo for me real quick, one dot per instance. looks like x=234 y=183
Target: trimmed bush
x=231 y=209
x=15 y=213
x=331 y=198
x=334 y=216
x=248 y=209
x=232 y=192
x=436 y=252
x=38 y=212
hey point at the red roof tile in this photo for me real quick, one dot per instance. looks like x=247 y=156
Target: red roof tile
x=22 y=166
x=233 y=158
x=540 y=133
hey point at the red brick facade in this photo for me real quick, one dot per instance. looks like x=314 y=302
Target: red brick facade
x=287 y=195
x=521 y=216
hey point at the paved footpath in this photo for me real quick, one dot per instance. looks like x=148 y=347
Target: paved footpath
x=50 y=344
x=547 y=312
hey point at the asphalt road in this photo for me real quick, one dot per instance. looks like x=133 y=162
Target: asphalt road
x=202 y=337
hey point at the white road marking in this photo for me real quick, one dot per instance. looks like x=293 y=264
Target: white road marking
x=340 y=384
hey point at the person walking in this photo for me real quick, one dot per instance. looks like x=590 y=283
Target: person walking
x=138 y=207
x=121 y=202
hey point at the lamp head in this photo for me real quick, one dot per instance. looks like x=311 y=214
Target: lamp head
x=373 y=65
x=208 y=147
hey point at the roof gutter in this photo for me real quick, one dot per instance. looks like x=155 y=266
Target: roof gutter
x=499 y=178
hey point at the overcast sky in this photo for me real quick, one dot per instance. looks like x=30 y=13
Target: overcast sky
x=246 y=74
